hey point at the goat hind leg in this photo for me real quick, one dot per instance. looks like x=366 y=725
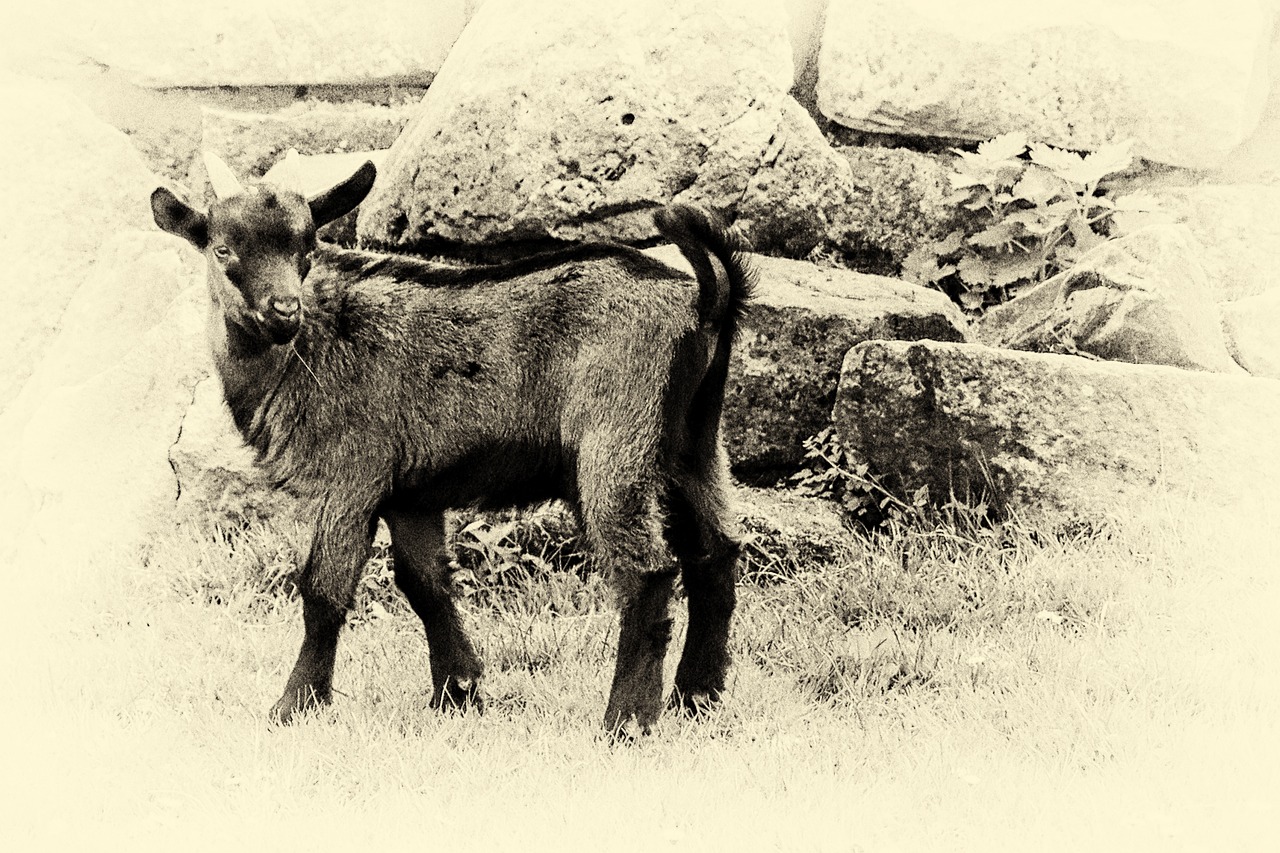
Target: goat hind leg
x=417 y=543
x=708 y=555
x=643 y=636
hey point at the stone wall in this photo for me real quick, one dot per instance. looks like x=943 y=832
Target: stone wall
x=821 y=129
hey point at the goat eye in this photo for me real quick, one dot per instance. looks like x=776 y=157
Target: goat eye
x=221 y=253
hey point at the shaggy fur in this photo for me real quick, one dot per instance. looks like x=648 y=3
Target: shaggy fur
x=378 y=385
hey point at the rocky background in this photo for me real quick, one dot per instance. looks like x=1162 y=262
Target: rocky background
x=823 y=130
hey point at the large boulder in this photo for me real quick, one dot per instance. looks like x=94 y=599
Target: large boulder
x=1144 y=298
x=1186 y=82
x=282 y=42
x=897 y=200
x=1052 y=436
x=107 y=317
x=90 y=433
x=217 y=476
x=70 y=182
x=786 y=362
x=1237 y=227
x=575 y=119
x=1252 y=329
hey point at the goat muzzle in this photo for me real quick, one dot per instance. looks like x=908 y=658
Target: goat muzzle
x=281 y=320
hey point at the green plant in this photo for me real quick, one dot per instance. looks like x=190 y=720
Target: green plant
x=833 y=471
x=1030 y=212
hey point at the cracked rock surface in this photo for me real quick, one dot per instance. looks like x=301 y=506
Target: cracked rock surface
x=1055 y=437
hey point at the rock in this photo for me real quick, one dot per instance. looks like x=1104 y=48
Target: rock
x=1250 y=326
x=1144 y=298
x=90 y=432
x=786 y=533
x=786 y=362
x=251 y=143
x=218 y=480
x=897 y=200
x=107 y=334
x=1186 y=83
x=1056 y=437
x=1258 y=158
x=70 y=182
x=798 y=194
x=1237 y=227
x=285 y=42
x=578 y=126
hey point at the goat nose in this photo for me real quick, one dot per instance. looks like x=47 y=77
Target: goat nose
x=285 y=307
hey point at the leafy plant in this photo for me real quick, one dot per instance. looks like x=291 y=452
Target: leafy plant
x=1032 y=211
x=833 y=471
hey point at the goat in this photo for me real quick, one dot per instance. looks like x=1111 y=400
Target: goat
x=380 y=385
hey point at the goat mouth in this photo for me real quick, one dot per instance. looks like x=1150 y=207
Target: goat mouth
x=281 y=330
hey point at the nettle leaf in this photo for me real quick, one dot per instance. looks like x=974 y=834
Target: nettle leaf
x=950 y=244
x=1110 y=159
x=1040 y=186
x=1084 y=235
x=972 y=300
x=1006 y=146
x=995 y=164
x=1008 y=268
x=921 y=264
x=963 y=180
x=995 y=236
x=980 y=199
x=1067 y=165
x=975 y=270
x=1036 y=221
x=1083 y=171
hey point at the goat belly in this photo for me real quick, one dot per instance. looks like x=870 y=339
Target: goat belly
x=495 y=476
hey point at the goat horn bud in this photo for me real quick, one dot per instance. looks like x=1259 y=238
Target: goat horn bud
x=221 y=178
x=286 y=173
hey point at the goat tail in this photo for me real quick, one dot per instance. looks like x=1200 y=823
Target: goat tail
x=718 y=256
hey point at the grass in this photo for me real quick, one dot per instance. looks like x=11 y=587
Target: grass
x=929 y=687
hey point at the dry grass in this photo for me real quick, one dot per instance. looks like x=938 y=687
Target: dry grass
x=930 y=689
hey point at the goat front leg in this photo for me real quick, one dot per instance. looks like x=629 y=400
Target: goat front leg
x=341 y=546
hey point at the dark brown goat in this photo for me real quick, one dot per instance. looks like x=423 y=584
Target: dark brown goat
x=378 y=385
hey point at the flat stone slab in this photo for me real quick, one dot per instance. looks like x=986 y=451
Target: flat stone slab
x=1237 y=226
x=1252 y=329
x=1186 y=82
x=1144 y=298
x=1054 y=436
x=282 y=42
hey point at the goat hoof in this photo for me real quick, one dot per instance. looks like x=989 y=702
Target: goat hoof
x=626 y=731
x=627 y=726
x=694 y=703
x=294 y=703
x=458 y=694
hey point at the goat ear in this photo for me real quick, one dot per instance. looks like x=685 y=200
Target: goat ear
x=176 y=217
x=343 y=198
